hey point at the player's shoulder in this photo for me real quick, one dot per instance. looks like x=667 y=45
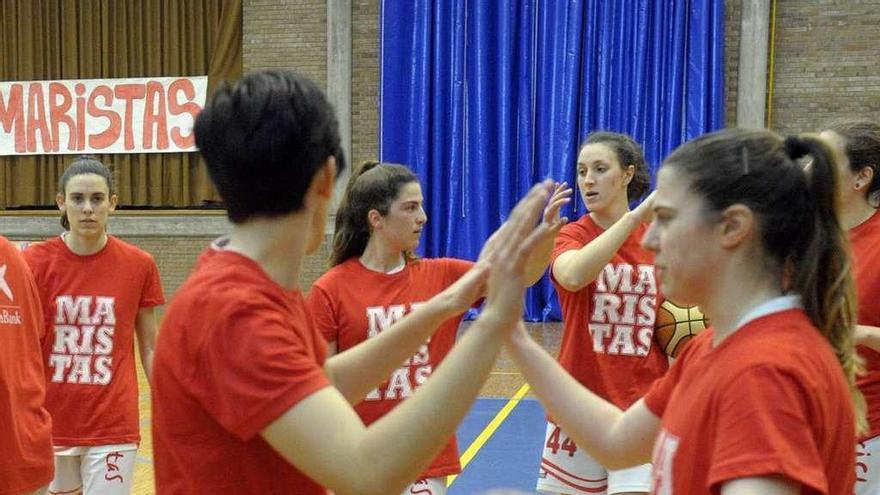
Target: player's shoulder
x=133 y=254
x=583 y=229
x=342 y=274
x=41 y=252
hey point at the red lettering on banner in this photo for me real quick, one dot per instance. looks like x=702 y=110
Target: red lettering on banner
x=36 y=119
x=58 y=115
x=80 y=90
x=12 y=116
x=109 y=136
x=68 y=116
x=128 y=93
x=154 y=114
x=189 y=107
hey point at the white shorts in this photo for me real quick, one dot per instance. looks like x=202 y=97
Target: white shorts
x=868 y=467
x=567 y=469
x=98 y=470
x=427 y=486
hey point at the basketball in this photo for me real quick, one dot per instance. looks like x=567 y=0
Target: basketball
x=676 y=325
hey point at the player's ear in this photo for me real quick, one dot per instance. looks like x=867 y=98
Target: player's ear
x=736 y=225
x=325 y=178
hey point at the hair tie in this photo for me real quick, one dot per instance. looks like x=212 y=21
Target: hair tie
x=795 y=147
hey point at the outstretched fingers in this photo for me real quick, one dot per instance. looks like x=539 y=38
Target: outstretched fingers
x=561 y=196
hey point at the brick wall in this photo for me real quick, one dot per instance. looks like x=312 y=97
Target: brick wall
x=732 y=16
x=286 y=34
x=827 y=63
x=365 y=80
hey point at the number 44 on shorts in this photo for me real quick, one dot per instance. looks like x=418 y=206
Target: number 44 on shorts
x=567 y=444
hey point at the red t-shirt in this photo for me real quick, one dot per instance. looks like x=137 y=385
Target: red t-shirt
x=608 y=339
x=25 y=426
x=91 y=305
x=771 y=399
x=865 y=241
x=235 y=352
x=351 y=303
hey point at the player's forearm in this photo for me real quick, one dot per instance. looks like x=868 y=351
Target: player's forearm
x=868 y=336
x=583 y=415
x=577 y=268
x=358 y=370
x=538 y=261
x=420 y=426
x=146 y=352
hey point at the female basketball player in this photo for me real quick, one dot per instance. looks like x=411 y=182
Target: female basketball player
x=244 y=399
x=375 y=279
x=859 y=175
x=764 y=401
x=98 y=292
x=25 y=425
x=608 y=293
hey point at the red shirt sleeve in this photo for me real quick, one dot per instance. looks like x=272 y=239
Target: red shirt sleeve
x=457 y=267
x=256 y=367
x=763 y=429
x=319 y=304
x=152 y=294
x=661 y=390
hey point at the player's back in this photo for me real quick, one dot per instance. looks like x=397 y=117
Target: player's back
x=211 y=395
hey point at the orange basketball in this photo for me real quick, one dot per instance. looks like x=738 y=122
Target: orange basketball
x=676 y=325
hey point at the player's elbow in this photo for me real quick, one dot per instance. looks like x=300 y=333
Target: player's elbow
x=568 y=280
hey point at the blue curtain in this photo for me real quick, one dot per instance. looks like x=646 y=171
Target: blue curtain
x=483 y=99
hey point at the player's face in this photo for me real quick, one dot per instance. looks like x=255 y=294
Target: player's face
x=601 y=179
x=87 y=202
x=402 y=227
x=681 y=238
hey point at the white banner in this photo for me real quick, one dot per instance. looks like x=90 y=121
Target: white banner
x=144 y=115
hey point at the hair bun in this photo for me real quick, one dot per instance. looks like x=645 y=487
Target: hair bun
x=796 y=147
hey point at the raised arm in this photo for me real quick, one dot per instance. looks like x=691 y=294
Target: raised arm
x=616 y=439
x=324 y=438
x=574 y=269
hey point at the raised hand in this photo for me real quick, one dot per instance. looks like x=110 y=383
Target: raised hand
x=561 y=196
x=512 y=245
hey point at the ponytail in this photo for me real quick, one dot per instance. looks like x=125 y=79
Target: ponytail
x=821 y=262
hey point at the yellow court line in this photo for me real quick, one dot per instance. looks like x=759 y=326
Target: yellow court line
x=488 y=431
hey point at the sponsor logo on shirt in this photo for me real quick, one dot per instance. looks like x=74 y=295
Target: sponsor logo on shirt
x=414 y=371
x=9 y=314
x=624 y=310
x=82 y=351
x=10 y=317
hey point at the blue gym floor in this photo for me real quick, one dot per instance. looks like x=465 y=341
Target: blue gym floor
x=510 y=457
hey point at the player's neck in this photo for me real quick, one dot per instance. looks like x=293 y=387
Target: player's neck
x=607 y=217
x=380 y=257
x=84 y=246
x=276 y=244
x=738 y=289
x=856 y=212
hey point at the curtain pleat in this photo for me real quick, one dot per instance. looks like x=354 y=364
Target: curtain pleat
x=95 y=39
x=482 y=99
